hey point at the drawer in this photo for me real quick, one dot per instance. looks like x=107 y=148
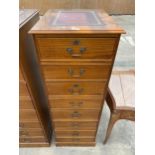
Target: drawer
x=75 y=133
x=78 y=103
x=75 y=125
x=76 y=71
x=75 y=88
x=75 y=144
x=26 y=125
x=75 y=114
x=32 y=139
x=34 y=132
x=75 y=139
x=27 y=114
x=30 y=145
x=23 y=91
x=25 y=103
x=76 y=48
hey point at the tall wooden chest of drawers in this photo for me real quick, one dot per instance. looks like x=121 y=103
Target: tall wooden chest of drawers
x=76 y=50
x=34 y=116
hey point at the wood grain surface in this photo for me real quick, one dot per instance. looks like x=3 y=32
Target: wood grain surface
x=75 y=124
x=33 y=111
x=76 y=63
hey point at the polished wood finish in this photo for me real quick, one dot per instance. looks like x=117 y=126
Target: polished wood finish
x=29 y=125
x=24 y=133
x=75 y=133
x=75 y=139
x=76 y=70
x=120 y=102
x=75 y=88
x=29 y=114
x=111 y=6
x=25 y=103
x=23 y=89
x=72 y=104
x=81 y=144
x=34 y=144
x=100 y=48
x=76 y=63
x=35 y=125
x=75 y=114
x=31 y=139
x=75 y=124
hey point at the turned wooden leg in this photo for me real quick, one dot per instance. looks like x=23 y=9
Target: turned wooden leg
x=113 y=118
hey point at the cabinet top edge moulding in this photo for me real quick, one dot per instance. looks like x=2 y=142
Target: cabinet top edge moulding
x=76 y=21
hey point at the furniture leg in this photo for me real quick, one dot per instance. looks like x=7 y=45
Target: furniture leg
x=113 y=118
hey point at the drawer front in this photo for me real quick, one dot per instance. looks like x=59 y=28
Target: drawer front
x=26 y=125
x=23 y=91
x=32 y=139
x=75 y=125
x=75 y=88
x=73 y=104
x=75 y=114
x=86 y=71
x=75 y=144
x=75 y=139
x=27 y=144
x=25 y=104
x=27 y=133
x=25 y=115
x=76 y=48
x=75 y=133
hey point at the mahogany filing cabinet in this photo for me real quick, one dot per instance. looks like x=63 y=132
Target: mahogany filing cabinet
x=76 y=50
x=34 y=118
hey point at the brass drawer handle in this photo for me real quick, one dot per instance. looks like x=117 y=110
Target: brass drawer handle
x=75 y=90
x=70 y=51
x=76 y=105
x=75 y=115
x=82 y=50
x=71 y=72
